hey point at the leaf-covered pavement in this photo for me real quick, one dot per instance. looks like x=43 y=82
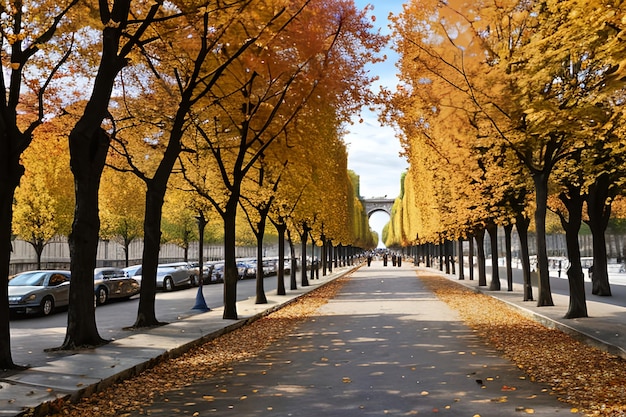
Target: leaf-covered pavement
x=591 y=381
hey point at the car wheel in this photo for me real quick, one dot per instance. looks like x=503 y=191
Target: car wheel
x=193 y=281
x=47 y=306
x=168 y=284
x=101 y=295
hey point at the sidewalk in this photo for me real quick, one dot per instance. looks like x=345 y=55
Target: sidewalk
x=605 y=328
x=88 y=371
x=383 y=346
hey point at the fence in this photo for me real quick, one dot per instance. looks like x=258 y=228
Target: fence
x=56 y=254
x=615 y=245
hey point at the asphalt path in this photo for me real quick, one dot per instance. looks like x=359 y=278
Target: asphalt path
x=384 y=346
x=32 y=334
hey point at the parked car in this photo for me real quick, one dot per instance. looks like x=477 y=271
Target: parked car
x=269 y=267
x=217 y=274
x=189 y=267
x=41 y=291
x=168 y=277
x=134 y=272
x=207 y=271
x=246 y=269
x=110 y=283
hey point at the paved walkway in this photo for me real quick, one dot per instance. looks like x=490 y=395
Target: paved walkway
x=87 y=371
x=605 y=328
x=384 y=345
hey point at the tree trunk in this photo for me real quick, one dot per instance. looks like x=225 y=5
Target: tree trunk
x=480 y=246
x=312 y=271
x=492 y=229
x=541 y=200
x=575 y=277
x=88 y=150
x=461 y=263
x=38 y=246
x=294 y=263
x=231 y=276
x=521 y=224
x=508 y=229
x=447 y=255
x=146 y=315
x=331 y=250
x=260 y=276
x=89 y=145
x=440 y=249
x=303 y=237
x=599 y=212
x=470 y=258
x=324 y=255
x=11 y=172
x=452 y=261
x=126 y=255
x=281 y=227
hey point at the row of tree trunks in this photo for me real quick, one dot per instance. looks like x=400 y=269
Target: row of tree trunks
x=571 y=224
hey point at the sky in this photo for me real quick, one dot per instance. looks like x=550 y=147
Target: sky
x=374 y=150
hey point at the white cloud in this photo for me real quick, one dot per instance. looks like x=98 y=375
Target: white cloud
x=374 y=150
x=374 y=155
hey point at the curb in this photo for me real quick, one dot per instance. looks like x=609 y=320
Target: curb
x=48 y=405
x=546 y=321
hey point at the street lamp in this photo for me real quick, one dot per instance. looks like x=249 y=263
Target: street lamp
x=200 y=302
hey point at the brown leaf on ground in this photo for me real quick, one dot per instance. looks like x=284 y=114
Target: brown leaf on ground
x=591 y=380
x=199 y=363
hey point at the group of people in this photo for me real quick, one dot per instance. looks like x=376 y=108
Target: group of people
x=396 y=259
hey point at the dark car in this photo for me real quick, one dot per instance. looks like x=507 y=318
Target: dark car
x=217 y=272
x=110 y=283
x=246 y=269
x=40 y=291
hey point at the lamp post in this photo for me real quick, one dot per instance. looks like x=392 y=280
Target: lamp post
x=200 y=302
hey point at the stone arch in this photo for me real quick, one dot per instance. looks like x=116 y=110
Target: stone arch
x=372 y=205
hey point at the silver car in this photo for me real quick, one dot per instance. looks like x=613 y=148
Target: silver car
x=112 y=283
x=41 y=291
x=192 y=270
x=168 y=277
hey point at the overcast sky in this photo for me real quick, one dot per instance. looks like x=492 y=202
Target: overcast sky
x=373 y=150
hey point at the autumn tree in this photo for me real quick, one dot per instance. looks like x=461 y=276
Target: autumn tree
x=568 y=205
x=528 y=89
x=198 y=63
x=44 y=200
x=258 y=98
x=35 y=39
x=34 y=216
x=89 y=143
x=122 y=205
x=256 y=203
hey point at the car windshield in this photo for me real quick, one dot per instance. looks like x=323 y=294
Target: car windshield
x=30 y=278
